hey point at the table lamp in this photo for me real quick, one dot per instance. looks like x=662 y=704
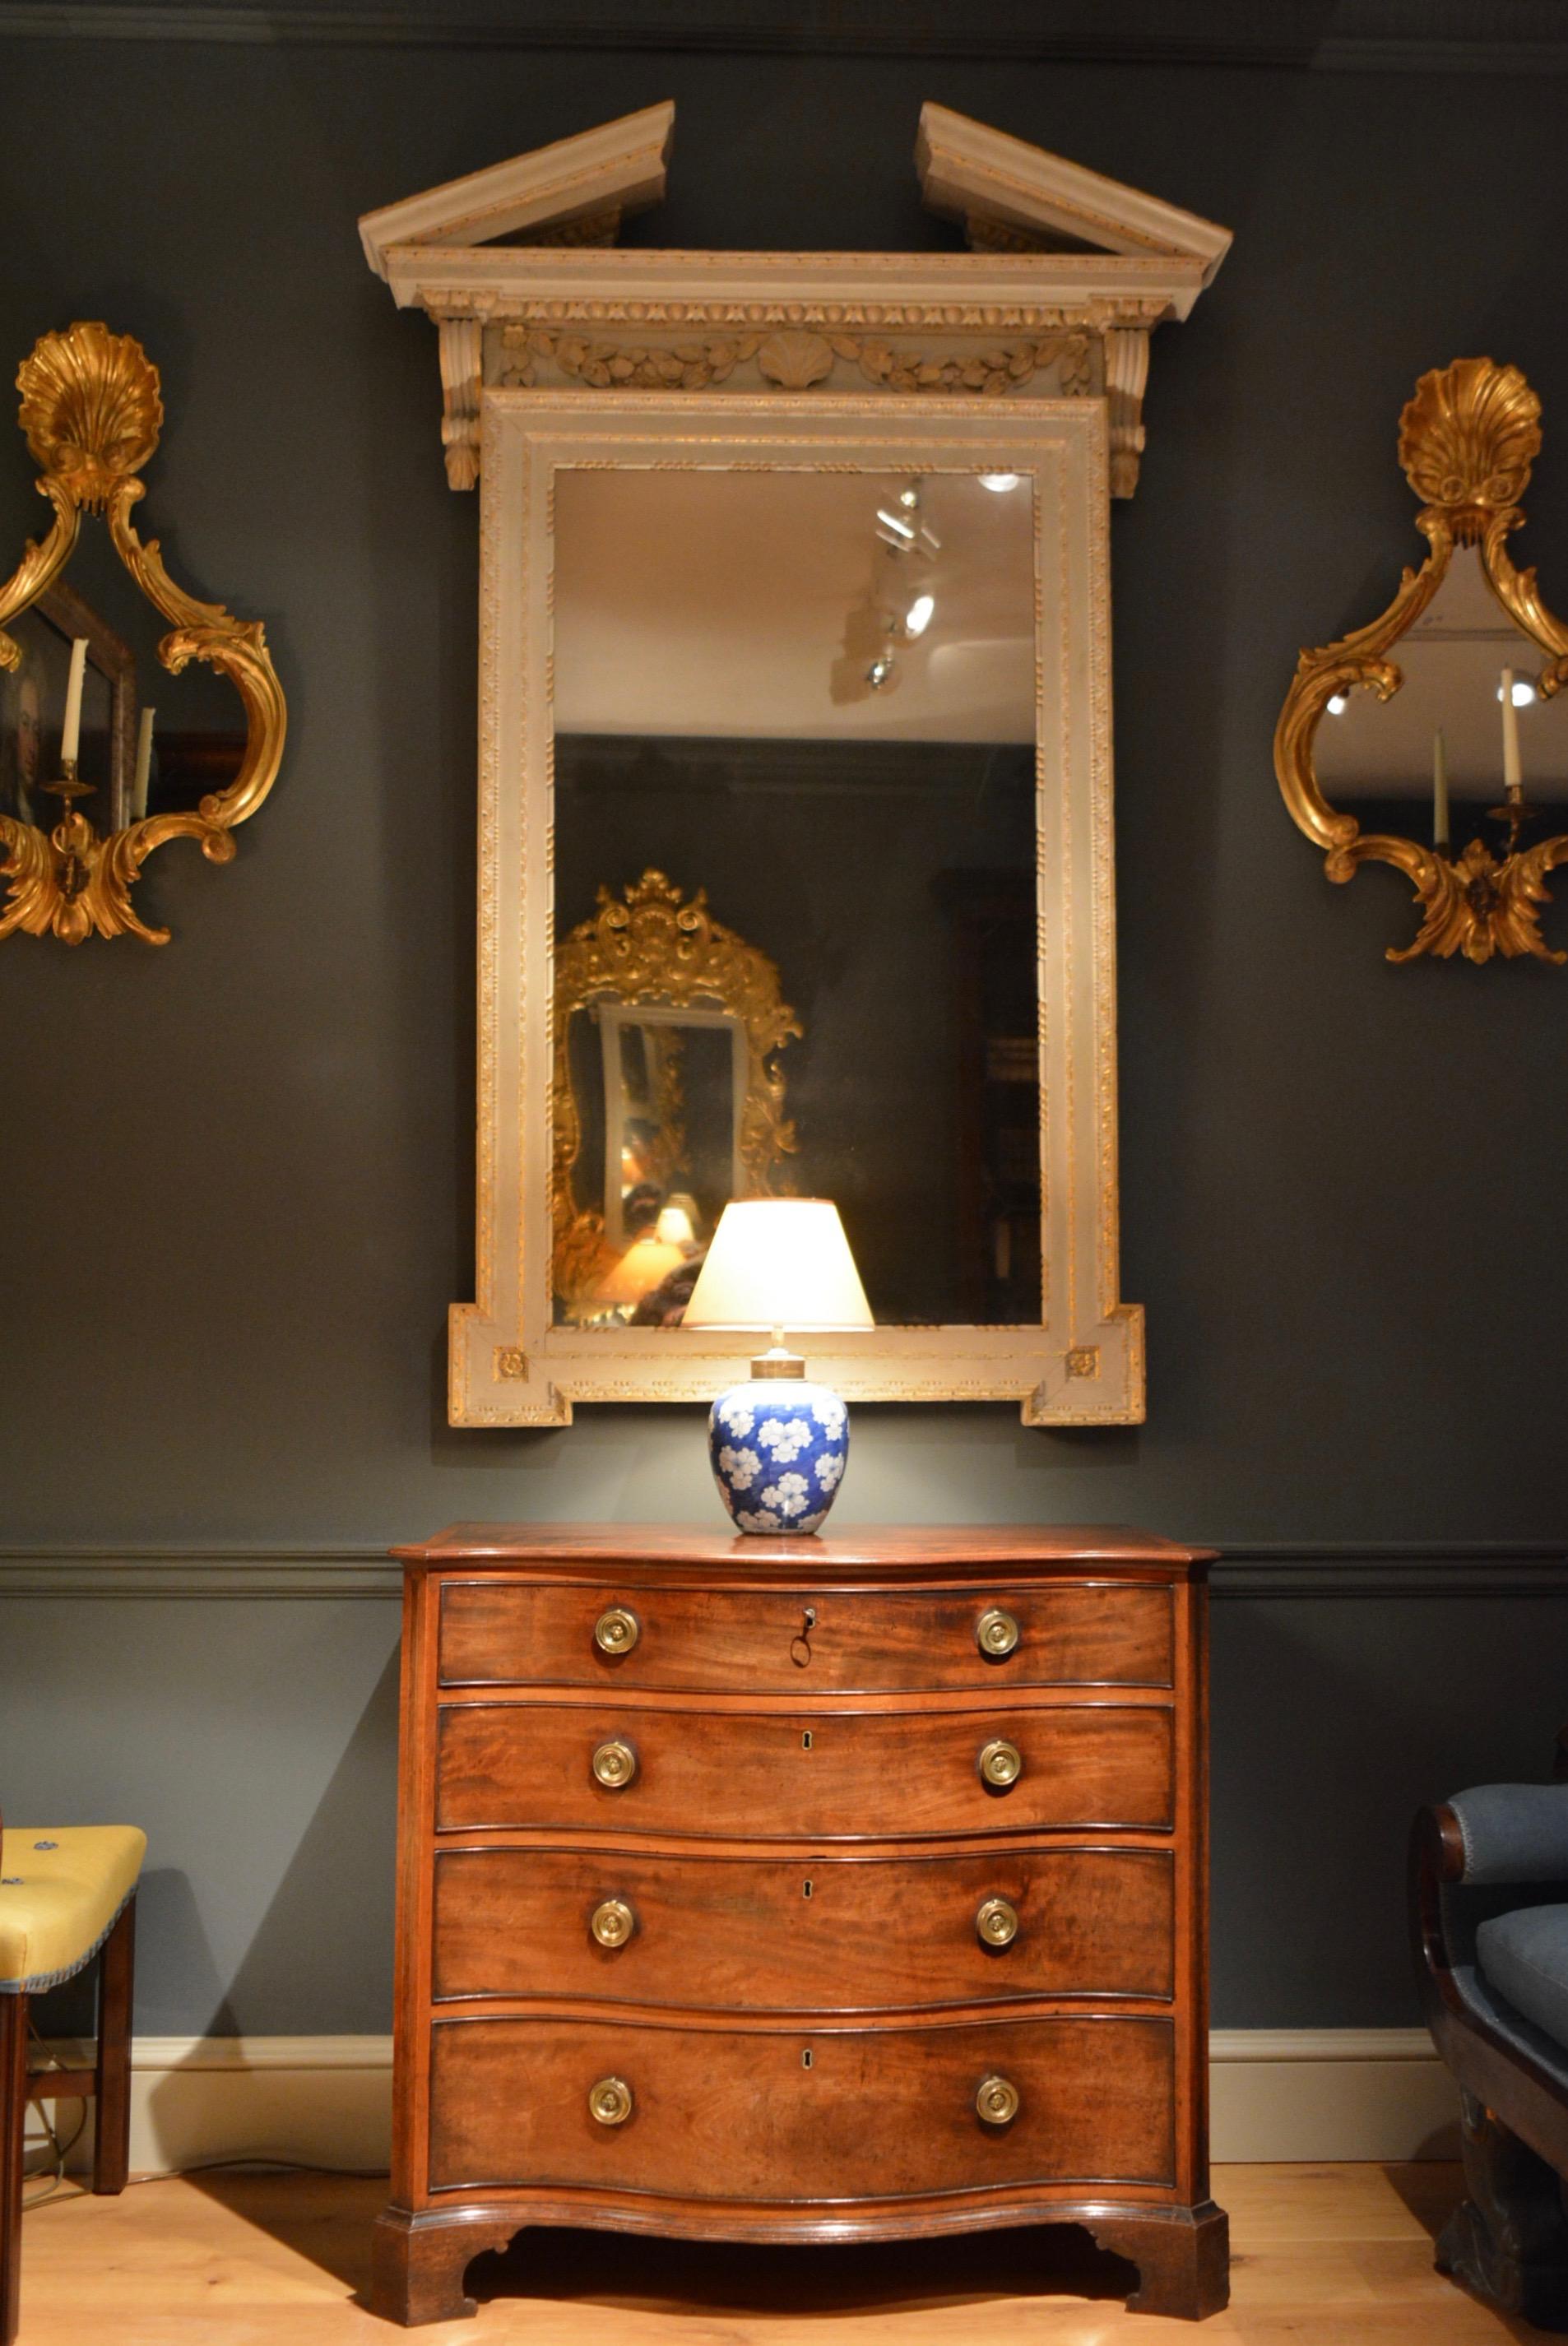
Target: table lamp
x=778 y=1445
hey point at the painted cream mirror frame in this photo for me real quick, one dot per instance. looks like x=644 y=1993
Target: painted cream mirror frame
x=559 y=351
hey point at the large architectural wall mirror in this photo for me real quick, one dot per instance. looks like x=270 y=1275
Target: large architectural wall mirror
x=130 y=713
x=795 y=764
x=1451 y=762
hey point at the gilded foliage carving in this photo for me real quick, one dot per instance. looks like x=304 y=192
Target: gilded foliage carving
x=1467 y=440
x=92 y=412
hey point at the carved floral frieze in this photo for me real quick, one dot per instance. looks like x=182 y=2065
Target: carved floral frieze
x=795 y=359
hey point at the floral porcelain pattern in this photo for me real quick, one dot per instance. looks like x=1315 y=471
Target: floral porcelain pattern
x=777 y=1447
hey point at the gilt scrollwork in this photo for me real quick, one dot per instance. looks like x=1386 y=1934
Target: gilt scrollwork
x=650 y=948
x=1467 y=440
x=92 y=412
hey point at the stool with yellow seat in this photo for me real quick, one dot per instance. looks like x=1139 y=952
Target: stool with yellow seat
x=68 y=1893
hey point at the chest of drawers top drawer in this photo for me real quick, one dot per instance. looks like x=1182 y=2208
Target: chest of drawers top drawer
x=658 y=1635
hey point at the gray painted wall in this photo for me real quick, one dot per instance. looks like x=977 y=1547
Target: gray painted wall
x=238 y=1172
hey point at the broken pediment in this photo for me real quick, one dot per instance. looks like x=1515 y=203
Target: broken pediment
x=576 y=192
x=1067 y=275
x=1013 y=197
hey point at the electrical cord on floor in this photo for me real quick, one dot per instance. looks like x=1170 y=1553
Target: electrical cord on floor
x=36 y=2095
x=38 y=2092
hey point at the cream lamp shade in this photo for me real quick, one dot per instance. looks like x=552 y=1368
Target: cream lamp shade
x=778 y=1262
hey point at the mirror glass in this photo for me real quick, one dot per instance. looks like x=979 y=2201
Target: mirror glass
x=197 y=740
x=810 y=695
x=1386 y=762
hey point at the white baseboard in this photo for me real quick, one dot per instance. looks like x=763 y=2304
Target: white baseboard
x=1314 y=2093
x=1329 y=2093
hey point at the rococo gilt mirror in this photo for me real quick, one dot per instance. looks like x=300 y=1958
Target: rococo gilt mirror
x=1450 y=765
x=795 y=774
x=131 y=714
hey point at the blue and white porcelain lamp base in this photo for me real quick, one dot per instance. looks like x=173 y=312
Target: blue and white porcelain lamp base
x=778 y=1446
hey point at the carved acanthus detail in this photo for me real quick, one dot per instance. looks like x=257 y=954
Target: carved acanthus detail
x=1127 y=373
x=462 y=370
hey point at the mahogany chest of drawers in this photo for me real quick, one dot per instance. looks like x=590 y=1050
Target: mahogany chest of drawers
x=801 y=1890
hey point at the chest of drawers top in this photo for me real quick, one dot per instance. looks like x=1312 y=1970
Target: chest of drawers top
x=920 y=1552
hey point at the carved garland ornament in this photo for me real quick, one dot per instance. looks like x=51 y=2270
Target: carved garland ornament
x=653 y=949
x=794 y=359
x=1467 y=440
x=91 y=414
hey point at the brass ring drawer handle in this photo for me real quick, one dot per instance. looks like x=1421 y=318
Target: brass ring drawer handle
x=997 y=2101
x=610 y=2101
x=1001 y=1763
x=617 y=1630
x=996 y=1924
x=615 y=1765
x=997 y=1632
x=612 y=1923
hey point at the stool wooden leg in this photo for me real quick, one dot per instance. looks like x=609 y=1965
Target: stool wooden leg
x=12 y=2113
x=111 y=2085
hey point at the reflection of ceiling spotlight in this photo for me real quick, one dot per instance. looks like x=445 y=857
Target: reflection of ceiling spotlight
x=881 y=672
x=910 y=497
x=1522 y=694
x=917 y=618
x=1000 y=482
x=1337 y=704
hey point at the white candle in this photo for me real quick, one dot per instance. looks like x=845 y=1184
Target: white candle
x=71 y=733
x=1440 y=790
x=1510 y=781
x=143 y=765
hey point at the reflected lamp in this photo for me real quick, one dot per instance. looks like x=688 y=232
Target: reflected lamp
x=778 y=1444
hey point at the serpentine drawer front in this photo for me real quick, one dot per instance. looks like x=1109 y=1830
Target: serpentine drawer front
x=800 y=1890
x=818 y=1933
x=804 y=1640
x=842 y=2115
x=763 y=1774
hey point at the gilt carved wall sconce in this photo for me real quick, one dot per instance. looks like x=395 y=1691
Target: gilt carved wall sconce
x=92 y=412
x=1471 y=729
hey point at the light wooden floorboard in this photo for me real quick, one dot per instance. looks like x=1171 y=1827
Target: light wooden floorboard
x=1322 y=2254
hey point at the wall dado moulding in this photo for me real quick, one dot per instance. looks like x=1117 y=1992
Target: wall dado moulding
x=795 y=722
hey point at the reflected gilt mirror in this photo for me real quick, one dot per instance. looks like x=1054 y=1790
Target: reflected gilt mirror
x=1448 y=761
x=795 y=803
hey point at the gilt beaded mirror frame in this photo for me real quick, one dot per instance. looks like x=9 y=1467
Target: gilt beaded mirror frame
x=1020 y=363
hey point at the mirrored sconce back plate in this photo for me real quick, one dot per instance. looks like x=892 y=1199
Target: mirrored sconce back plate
x=92 y=412
x=1473 y=627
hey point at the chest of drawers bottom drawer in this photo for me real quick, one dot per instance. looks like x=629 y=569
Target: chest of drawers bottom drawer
x=768 y=2113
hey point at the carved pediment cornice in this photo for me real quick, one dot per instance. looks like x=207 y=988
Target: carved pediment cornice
x=992 y=321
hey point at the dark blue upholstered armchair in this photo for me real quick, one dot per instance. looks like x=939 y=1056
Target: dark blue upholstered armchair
x=1489 y=1911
